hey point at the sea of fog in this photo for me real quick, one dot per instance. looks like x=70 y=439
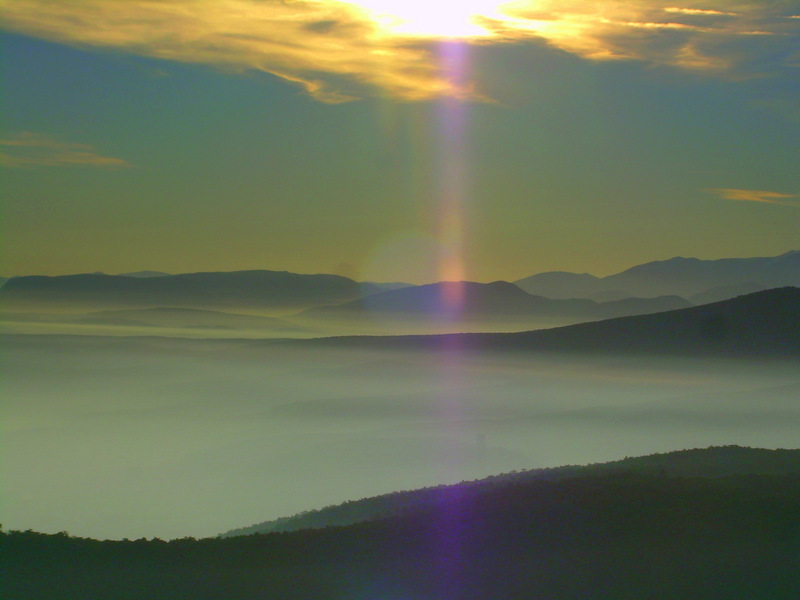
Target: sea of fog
x=114 y=437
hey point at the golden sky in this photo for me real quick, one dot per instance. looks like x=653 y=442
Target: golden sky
x=335 y=47
x=391 y=139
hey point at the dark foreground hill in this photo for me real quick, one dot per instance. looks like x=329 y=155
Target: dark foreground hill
x=626 y=534
x=720 y=461
x=763 y=324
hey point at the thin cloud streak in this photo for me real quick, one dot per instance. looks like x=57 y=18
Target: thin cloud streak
x=711 y=41
x=329 y=48
x=28 y=149
x=698 y=11
x=760 y=196
x=340 y=50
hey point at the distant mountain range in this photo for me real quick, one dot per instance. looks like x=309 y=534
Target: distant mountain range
x=762 y=324
x=485 y=301
x=255 y=290
x=694 y=279
x=326 y=301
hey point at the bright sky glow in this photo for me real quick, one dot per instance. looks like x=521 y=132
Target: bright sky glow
x=431 y=19
x=496 y=138
x=341 y=50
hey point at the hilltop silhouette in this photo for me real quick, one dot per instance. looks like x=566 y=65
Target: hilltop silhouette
x=466 y=300
x=258 y=290
x=714 y=462
x=763 y=324
x=687 y=277
x=145 y=274
x=718 y=523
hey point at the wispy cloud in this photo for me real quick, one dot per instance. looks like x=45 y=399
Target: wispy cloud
x=342 y=49
x=712 y=39
x=28 y=149
x=698 y=11
x=762 y=196
x=330 y=48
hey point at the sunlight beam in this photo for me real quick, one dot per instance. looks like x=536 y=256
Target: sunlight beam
x=417 y=18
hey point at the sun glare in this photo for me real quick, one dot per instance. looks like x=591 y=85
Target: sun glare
x=423 y=18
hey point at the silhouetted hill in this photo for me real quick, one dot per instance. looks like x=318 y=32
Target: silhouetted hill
x=145 y=274
x=373 y=287
x=763 y=324
x=685 y=277
x=470 y=300
x=611 y=295
x=638 y=306
x=561 y=285
x=721 y=461
x=625 y=534
x=254 y=290
x=440 y=300
x=725 y=292
x=689 y=276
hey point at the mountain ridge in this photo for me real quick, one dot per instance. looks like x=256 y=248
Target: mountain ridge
x=254 y=289
x=678 y=275
x=498 y=299
x=762 y=324
x=711 y=462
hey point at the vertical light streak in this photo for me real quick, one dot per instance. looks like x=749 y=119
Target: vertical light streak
x=452 y=506
x=452 y=117
x=453 y=190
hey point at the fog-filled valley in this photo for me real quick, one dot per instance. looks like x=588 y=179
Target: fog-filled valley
x=309 y=436
x=114 y=437
x=152 y=405
x=400 y=300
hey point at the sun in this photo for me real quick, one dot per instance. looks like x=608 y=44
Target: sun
x=425 y=18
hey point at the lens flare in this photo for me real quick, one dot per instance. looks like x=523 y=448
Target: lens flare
x=452 y=113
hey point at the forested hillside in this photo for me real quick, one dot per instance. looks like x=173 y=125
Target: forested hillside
x=621 y=535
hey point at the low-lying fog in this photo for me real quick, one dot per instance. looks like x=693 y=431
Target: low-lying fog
x=221 y=325
x=114 y=437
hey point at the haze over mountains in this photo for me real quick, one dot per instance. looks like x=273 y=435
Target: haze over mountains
x=189 y=318
x=233 y=421
x=333 y=305
x=762 y=324
x=276 y=291
x=497 y=305
x=279 y=262
x=687 y=277
x=148 y=405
